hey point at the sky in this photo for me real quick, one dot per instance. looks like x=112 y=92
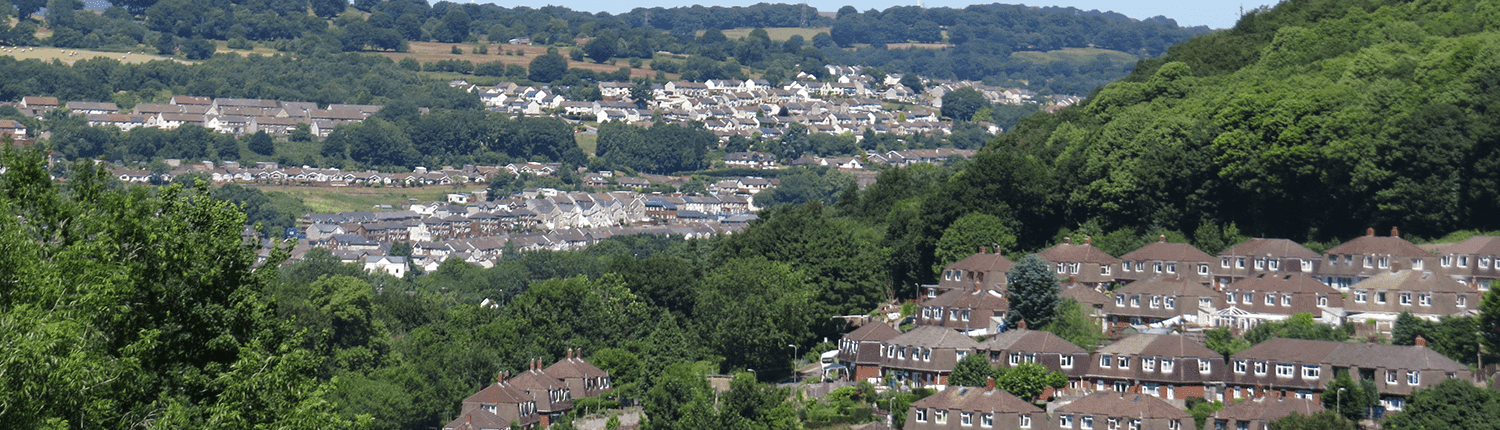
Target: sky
x=1188 y=13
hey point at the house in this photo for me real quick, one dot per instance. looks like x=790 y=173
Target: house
x=1091 y=302
x=93 y=107
x=1475 y=261
x=1170 y=366
x=390 y=264
x=1370 y=255
x=12 y=128
x=985 y=267
x=1257 y=256
x=1428 y=295
x=582 y=378
x=977 y=311
x=1013 y=347
x=39 y=103
x=861 y=350
x=1276 y=297
x=551 y=395
x=1083 y=263
x=1162 y=301
x=1256 y=414
x=1121 y=410
x=496 y=403
x=1163 y=257
x=1299 y=368
x=925 y=356
x=974 y=407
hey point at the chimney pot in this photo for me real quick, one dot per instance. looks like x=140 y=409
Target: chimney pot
x=1370 y=231
x=982 y=250
x=1021 y=324
x=1068 y=240
x=978 y=286
x=570 y=353
x=1421 y=342
x=1088 y=240
x=1161 y=238
x=1395 y=232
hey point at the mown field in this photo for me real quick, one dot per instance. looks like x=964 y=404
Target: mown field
x=1075 y=55
x=431 y=52
x=780 y=34
x=69 y=56
x=361 y=198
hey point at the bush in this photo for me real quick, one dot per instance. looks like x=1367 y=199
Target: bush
x=240 y=43
x=457 y=51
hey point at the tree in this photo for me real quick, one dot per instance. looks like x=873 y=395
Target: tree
x=601 y=48
x=1454 y=403
x=25 y=8
x=1028 y=380
x=1299 y=326
x=1489 y=320
x=1222 y=341
x=972 y=371
x=456 y=22
x=760 y=306
x=1032 y=292
x=1070 y=323
x=328 y=9
x=547 y=68
x=967 y=235
x=962 y=103
x=1347 y=397
x=261 y=143
x=1326 y=420
x=60 y=13
x=912 y=81
x=641 y=94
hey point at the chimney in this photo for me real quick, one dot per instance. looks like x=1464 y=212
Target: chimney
x=1161 y=238
x=1021 y=324
x=1421 y=342
x=989 y=384
x=1395 y=265
x=1088 y=240
x=1068 y=240
x=982 y=250
x=978 y=286
x=1395 y=232
x=1370 y=231
x=570 y=353
x=500 y=378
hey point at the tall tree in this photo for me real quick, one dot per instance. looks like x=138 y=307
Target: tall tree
x=261 y=143
x=1070 y=323
x=962 y=103
x=1489 y=321
x=972 y=371
x=1032 y=290
x=1453 y=403
x=1326 y=420
x=967 y=235
x=547 y=68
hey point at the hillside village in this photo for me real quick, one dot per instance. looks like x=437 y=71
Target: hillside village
x=1169 y=294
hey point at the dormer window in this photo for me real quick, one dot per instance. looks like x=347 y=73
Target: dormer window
x=1124 y=362
x=1484 y=263
x=1424 y=299
x=1369 y=262
x=1224 y=262
x=1155 y=302
x=1076 y=267
x=1405 y=299
x=1171 y=267
x=1239 y=263
x=1446 y=261
x=1385 y=262
x=1125 y=266
x=1463 y=301
x=1463 y=261
x=1120 y=300
x=1060 y=267
x=1156 y=267
x=1104 y=269
x=1148 y=364
x=1140 y=266
x=1260 y=264
x=1166 y=365
x=1135 y=301
x=1229 y=297
x=1270 y=299
x=1274 y=264
x=1202 y=269
x=1306 y=265
x=1286 y=299
x=1171 y=303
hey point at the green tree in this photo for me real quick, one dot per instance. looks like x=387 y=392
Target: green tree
x=1071 y=323
x=329 y=8
x=547 y=68
x=1299 y=326
x=1489 y=321
x=601 y=48
x=1222 y=341
x=962 y=103
x=1454 y=403
x=1347 y=397
x=261 y=143
x=1032 y=290
x=972 y=371
x=456 y=22
x=760 y=307
x=1028 y=380
x=967 y=235
x=912 y=81
x=1326 y=420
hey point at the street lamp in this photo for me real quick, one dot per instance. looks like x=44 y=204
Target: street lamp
x=1339 y=405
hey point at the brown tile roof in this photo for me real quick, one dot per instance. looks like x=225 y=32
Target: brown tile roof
x=1367 y=356
x=873 y=331
x=987 y=298
x=1413 y=280
x=977 y=399
x=1070 y=253
x=477 y=419
x=984 y=262
x=498 y=393
x=934 y=337
x=1477 y=245
x=1268 y=409
x=1133 y=405
x=1165 y=251
x=1370 y=244
x=1276 y=248
x=573 y=367
x=1168 y=285
x=1290 y=350
x=1158 y=345
x=1030 y=341
x=1284 y=283
x=1084 y=295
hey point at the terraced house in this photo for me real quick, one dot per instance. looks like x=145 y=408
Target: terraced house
x=1170 y=366
x=1474 y=261
x=1369 y=255
x=974 y=407
x=1302 y=368
x=926 y=355
x=1258 y=256
x=1428 y=295
x=1081 y=264
x=1165 y=258
x=1108 y=410
x=1165 y=300
x=1276 y=297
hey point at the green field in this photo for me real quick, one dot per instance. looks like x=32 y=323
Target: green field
x=1073 y=55
x=587 y=142
x=778 y=34
x=362 y=198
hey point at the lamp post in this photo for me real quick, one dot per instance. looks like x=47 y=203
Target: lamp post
x=794 y=361
x=1339 y=405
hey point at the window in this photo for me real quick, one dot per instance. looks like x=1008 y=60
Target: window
x=1446 y=261
x=1106 y=361
x=988 y=420
x=1171 y=267
x=1224 y=262
x=941 y=416
x=1425 y=299
x=1202 y=269
x=1204 y=366
x=1015 y=358
x=1304 y=395
x=1360 y=296
x=953 y=314
x=1286 y=299
x=1270 y=299
x=1484 y=263
x=1166 y=365
x=1026 y=421
x=1405 y=299
x=1239 y=366
x=1156 y=267
x=1125 y=266
x=1148 y=364
x=1348 y=260
x=1380 y=297
x=1239 y=263
x=1369 y=262
x=1104 y=269
x=1135 y=301
x=1120 y=300
x=1463 y=261
x=1385 y=262
x=1114 y=424
x=1076 y=267
x=965 y=316
x=1247 y=298
x=901 y=352
x=1065 y=421
x=1221 y=424
x=1155 y=302
x=1174 y=425
x=1413 y=377
x=1135 y=424
x=1311 y=371
x=1242 y=425
x=1416 y=263
x=1087 y=422
x=1322 y=300
x=1306 y=265
x=1390 y=377
x=1205 y=303
x=1140 y=266
x=922 y=415
x=1285 y=370
x=927 y=354
x=966 y=418
x=1275 y=265
x=1124 y=362
x=1065 y=361
x=1229 y=297
x=1260 y=368
x=1171 y=303
x=1260 y=264
x=1060 y=267
x=1463 y=301
x=962 y=354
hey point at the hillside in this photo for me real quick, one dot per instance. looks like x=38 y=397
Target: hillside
x=1313 y=120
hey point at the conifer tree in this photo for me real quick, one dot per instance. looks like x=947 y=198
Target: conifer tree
x=1032 y=292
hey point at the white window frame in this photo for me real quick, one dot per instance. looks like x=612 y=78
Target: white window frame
x=1260 y=368
x=1414 y=377
x=1240 y=366
x=1171 y=267
x=1361 y=296
x=1224 y=262
x=921 y=415
x=1285 y=370
x=1229 y=297
x=1239 y=263
x=1015 y=358
x=1274 y=264
x=1123 y=361
x=1106 y=361
x=1171 y=302
x=1204 y=366
x=940 y=416
x=1135 y=301
x=1125 y=265
x=1025 y=421
x=1385 y=262
x=1424 y=299
x=1086 y=422
x=1463 y=301
x=1148 y=364
x=1405 y=299
x=1270 y=299
x=1260 y=264
x=1155 y=302
x=1156 y=267
x=1167 y=365
x=1202 y=269
x=1247 y=298
x=1310 y=371
x=1369 y=262
x=1446 y=261
x=1463 y=261
x=1065 y=421
x=1390 y=377
x=1119 y=300
x=987 y=420
x=966 y=419
x=1104 y=269
x=1065 y=361
x=1286 y=299
x=1307 y=265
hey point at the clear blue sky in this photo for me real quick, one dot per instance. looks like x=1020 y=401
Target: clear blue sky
x=1213 y=13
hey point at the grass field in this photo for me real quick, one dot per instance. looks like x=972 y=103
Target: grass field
x=67 y=55
x=361 y=198
x=430 y=52
x=588 y=142
x=778 y=34
x=1076 y=55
